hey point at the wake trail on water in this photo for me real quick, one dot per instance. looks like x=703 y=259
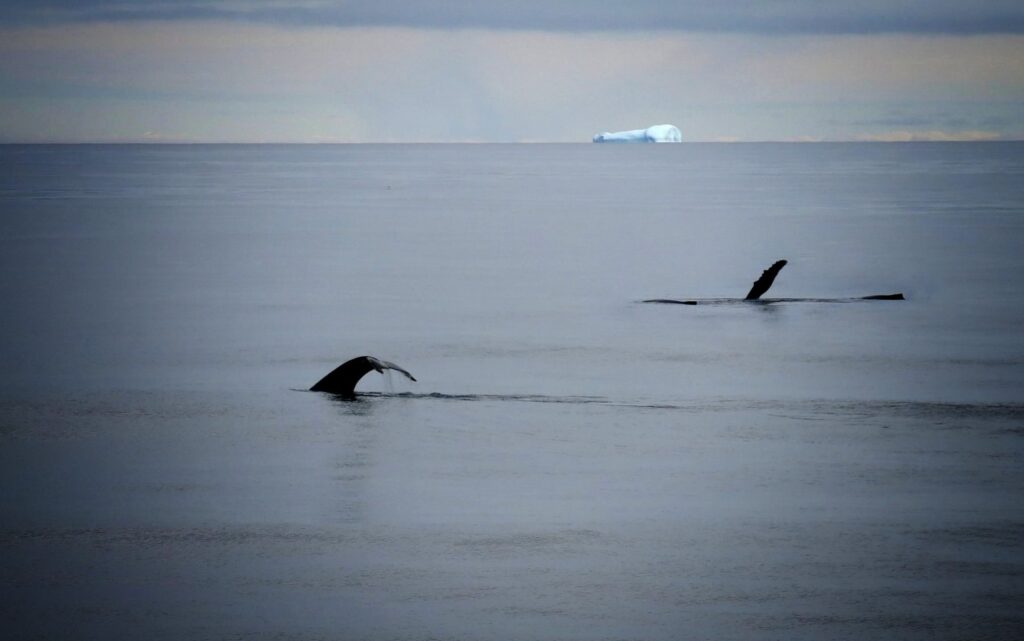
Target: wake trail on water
x=822 y=407
x=522 y=398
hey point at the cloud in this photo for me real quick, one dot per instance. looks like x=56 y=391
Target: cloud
x=226 y=81
x=894 y=120
x=931 y=136
x=726 y=16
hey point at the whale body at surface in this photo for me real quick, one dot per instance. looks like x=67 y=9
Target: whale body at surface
x=657 y=133
x=763 y=284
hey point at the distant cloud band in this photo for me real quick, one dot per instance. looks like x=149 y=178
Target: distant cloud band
x=735 y=16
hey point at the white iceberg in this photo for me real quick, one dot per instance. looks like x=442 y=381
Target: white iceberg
x=657 y=133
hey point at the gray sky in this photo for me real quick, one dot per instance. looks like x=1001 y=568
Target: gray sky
x=387 y=71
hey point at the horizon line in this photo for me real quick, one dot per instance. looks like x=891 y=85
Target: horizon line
x=505 y=142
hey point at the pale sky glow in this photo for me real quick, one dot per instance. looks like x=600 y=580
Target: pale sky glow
x=203 y=74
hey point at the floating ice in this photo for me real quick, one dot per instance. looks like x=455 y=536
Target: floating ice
x=657 y=133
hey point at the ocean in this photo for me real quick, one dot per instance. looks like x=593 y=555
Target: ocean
x=572 y=463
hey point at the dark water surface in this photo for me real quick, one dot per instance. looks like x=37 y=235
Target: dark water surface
x=571 y=464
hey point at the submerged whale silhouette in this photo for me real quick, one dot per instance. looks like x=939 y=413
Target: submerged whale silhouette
x=343 y=378
x=763 y=284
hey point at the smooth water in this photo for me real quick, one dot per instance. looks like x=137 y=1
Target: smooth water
x=572 y=464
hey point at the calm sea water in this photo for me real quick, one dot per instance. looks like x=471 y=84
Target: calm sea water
x=572 y=464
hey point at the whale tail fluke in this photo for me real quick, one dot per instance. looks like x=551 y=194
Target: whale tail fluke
x=764 y=283
x=389 y=365
x=342 y=379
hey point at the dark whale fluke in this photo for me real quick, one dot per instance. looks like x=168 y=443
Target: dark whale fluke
x=764 y=283
x=342 y=379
